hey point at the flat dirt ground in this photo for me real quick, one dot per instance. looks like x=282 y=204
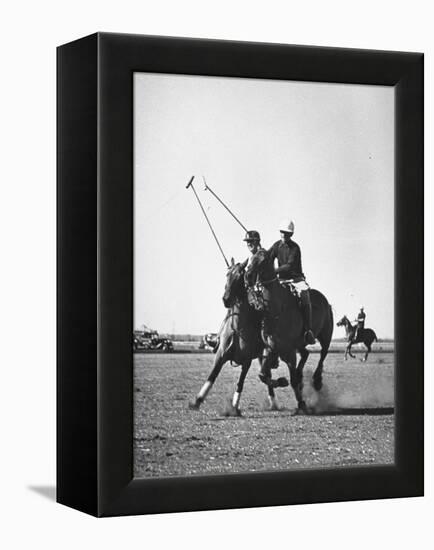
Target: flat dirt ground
x=353 y=422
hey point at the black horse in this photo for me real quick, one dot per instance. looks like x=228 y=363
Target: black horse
x=365 y=336
x=285 y=334
x=240 y=340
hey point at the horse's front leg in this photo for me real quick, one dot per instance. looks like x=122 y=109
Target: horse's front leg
x=269 y=359
x=366 y=353
x=219 y=361
x=349 y=350
x=271 y=394
x=237 y=394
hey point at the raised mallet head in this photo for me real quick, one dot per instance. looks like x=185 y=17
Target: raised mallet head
x=190 y=182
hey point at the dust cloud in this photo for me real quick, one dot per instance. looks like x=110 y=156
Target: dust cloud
x=327 y=400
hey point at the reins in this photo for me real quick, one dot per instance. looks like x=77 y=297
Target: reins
x=233 y=314
x=265 y=283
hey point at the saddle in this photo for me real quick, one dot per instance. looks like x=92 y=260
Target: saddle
x=255 y=294
x=357 y=337
x=288 y=284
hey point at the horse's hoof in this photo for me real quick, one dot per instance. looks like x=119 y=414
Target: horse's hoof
x=232 y=411
x=194 y=406
x=281 y=382
x=273 y=406
x=301 y=409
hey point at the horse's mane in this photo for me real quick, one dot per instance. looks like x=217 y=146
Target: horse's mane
x=350 y=324
x=238 y=265
x=241 y=269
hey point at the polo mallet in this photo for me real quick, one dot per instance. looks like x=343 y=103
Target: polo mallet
x=190 y=184
x=208 y=188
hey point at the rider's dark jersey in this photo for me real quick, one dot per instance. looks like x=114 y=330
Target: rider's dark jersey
x=288 y=258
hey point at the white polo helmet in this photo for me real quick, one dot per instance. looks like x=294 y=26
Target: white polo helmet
x=287 y=226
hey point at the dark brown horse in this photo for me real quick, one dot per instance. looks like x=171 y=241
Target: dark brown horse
x=283 y=331
x=240 y=340
x=365 y=336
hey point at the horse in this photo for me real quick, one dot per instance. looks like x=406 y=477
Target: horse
x=239 y=342
x=283 y=327
x=365 y=336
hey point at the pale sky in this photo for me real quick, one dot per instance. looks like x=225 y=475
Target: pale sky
x=320 y=154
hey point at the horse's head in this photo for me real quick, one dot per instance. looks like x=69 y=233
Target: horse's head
x=260 y=268
x=234 y=287
x=342 y=322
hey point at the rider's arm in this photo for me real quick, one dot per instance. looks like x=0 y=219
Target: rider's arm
x=272 y=253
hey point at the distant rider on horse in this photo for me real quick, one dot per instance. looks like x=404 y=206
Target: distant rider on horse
x=360 y=324
x=288 y=255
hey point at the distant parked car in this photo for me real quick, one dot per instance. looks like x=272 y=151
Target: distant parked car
x=137 y=343
x=150 y=340
x=209 y=341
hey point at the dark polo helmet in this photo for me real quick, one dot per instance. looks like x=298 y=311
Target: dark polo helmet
x=252 y=236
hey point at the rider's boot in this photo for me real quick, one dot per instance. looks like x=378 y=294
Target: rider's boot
x=357 y=334
x=306 y=309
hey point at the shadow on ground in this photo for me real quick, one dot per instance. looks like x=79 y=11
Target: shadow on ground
x=47 y=491
x=376 y=411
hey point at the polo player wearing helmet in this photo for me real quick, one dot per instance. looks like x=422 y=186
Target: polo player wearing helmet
x=253 y=241
x=288 y=255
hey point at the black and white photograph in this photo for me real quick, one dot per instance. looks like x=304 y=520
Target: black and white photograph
x=263 y=275
x=193 y=193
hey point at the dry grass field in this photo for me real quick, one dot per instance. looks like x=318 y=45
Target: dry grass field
x=353 y=423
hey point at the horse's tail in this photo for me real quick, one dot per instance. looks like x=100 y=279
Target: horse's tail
x=371 y=335
x=227 y=339
x=330 y=329
x=331 y=314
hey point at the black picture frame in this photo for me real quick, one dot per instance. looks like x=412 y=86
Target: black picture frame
x=95 y=273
